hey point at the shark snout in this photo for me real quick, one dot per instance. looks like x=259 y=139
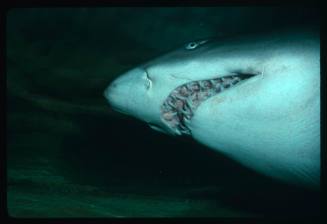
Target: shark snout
x=115 y=95
x=124 y=83
x=126 y=93
x=107 y=93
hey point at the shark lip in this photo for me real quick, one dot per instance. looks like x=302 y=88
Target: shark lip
x=179 y=107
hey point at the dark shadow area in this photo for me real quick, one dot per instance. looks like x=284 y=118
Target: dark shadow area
x=126 y=156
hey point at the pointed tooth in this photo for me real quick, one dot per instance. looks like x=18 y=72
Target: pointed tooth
x=178 y=131
x=186 y=114
x=226 y=83
x=168 y=116
x=170 y=102
x=186 y=131
x=194 y=86
x=201 y=83
x=183 y=91
x=205 y=84
x=236 y=80
x=187 y=120
x=187 y=117
x=169 y=108
x=187 y=106
x=179 y=104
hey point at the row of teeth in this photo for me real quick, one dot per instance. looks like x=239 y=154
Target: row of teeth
x=179 y=107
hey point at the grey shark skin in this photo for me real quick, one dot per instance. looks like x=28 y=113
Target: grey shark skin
x=269 y=122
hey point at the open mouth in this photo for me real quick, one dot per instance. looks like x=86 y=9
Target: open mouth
x=179 y=107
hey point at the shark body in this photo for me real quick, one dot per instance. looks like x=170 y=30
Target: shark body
x=255 y=99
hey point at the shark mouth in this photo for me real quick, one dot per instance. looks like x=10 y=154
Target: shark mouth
x=179 y=107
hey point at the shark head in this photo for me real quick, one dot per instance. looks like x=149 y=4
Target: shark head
x=166 y=91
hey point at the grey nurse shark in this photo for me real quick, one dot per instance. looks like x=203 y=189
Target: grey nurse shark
x=255 y=99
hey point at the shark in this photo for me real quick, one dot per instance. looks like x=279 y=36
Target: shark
x=254 y=98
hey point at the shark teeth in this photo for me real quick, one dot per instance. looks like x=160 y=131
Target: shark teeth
x=178 y=108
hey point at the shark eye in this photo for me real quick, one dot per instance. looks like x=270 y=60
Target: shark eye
x=191 y=45
x=194 y=44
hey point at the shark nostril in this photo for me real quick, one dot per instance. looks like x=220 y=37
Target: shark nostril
x=110 y=89
x=113 y=85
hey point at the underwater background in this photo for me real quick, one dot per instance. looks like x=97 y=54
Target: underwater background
x=70 y=155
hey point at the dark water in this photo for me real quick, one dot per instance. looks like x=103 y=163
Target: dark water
x=69 y=155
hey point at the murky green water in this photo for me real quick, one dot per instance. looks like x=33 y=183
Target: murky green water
x=69 y=155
